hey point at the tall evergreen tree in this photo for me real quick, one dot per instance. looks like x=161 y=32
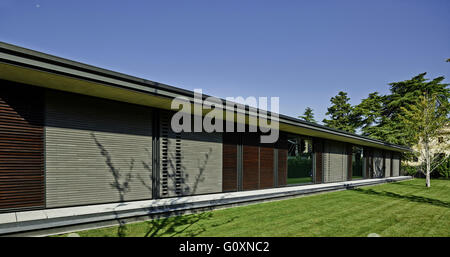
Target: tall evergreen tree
x=402 y=95
x=341 y=114
x=308 y=115
x=369 y=113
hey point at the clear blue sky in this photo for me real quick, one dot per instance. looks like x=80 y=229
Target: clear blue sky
x=302 y=51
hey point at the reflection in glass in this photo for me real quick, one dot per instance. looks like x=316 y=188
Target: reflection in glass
x=300 y=165
x=357 y=163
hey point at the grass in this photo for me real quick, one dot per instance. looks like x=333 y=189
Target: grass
x=399 y=209
x=299 y=180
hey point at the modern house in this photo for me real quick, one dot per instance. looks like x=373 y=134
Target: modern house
x=75 y=135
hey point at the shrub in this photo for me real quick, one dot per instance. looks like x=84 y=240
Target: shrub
x=444 y=169
x=410 y=170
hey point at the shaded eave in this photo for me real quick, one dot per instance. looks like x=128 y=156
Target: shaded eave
x=35 y=68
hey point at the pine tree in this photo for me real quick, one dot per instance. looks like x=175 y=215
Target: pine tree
x=379 y=115
x=341 y=114
x=308 y=115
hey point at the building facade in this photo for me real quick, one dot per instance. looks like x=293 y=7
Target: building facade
x=73 y=134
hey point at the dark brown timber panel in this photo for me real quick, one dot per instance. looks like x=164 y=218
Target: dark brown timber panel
x=229 y=162
x=21 y=147
x=250 y=162
x=266 y=167
x=282 y=167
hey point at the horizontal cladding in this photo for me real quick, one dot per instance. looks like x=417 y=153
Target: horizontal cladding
x=334 y=161
x=21 y=147
x=191 y=163
x=230 y=162
x=97 y=150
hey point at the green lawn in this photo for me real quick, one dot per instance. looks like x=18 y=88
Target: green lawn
x=299 y=180
x=396 y=209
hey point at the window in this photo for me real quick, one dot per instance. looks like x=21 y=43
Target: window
x=300 y=164
x=357 y=163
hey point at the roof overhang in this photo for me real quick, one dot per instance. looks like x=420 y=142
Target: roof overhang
x=34 y=68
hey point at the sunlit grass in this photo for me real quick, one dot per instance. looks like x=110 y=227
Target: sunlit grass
x=405 y=208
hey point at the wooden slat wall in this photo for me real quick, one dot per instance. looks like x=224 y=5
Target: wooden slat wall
x=21 y=147
x=250 y=163
x=229 y=163
x=266 y=167
x=282 y=167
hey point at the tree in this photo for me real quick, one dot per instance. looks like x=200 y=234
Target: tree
x=369 y=113
x=308 y=115
x=341 y=114
x=379 y=115
x=425 y=122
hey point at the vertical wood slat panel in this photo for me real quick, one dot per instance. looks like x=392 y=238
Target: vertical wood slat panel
x=21 y=147
x=266 y=167
x=250 y=163
x=282 y=166
x=229 y=163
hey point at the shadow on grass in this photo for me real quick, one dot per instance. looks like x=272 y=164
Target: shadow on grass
x=168 y=226
x=411 y=198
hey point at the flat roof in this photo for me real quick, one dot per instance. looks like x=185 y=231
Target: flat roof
x=36 y=68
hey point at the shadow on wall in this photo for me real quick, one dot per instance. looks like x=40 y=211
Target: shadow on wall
x=411 y=198
x=169 y=223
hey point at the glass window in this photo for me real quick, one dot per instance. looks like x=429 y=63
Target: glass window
x=300 y=161
x=357 y=163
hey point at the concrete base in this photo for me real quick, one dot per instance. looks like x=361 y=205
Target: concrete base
x=63 y=220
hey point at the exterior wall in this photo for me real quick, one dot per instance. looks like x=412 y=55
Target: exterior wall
x=97 y=150
x=318 y=160
x=387 y=164
x=21 y=147
x=395 y=165
x=378 y=165
x=335 y=162
x=191 y=163
x=230 y=162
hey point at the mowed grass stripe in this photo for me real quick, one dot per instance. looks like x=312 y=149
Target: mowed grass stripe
x=396 y=209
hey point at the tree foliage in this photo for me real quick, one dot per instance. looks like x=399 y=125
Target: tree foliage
x=341 y=113
x=379 y=116
x=308 y=115
x=424 y=122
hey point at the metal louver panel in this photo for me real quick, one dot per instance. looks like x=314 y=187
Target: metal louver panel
x=191 y=162
x=335 y=162
x=171 y=170
x=97 y=150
